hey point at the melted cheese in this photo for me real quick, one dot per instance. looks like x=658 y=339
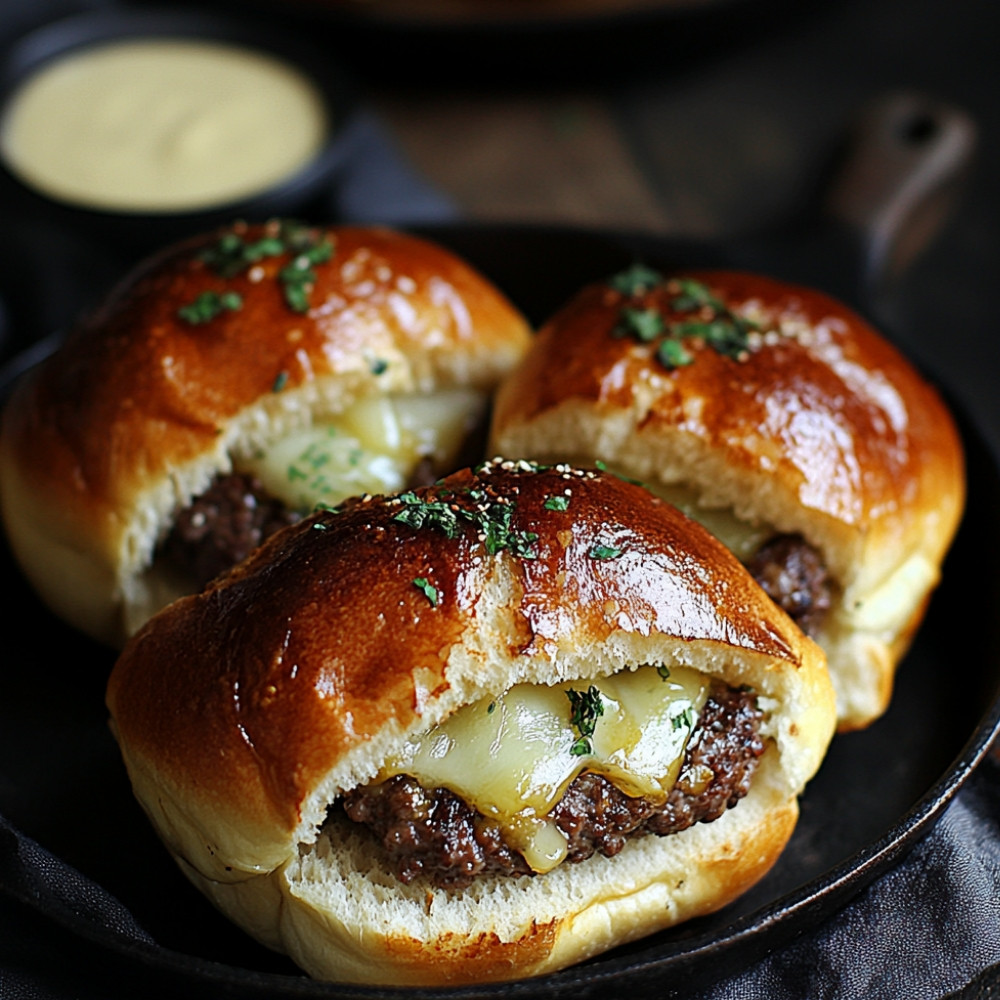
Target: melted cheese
x=162 y=125
x=740 y=537
x=373 y=447
x=512 y=757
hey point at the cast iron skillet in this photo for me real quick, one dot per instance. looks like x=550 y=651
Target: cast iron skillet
x=80 y=858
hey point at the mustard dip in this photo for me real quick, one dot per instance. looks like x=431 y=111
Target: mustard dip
x=165 y=125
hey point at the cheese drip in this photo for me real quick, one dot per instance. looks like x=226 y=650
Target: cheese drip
x=372 y=447
x=512 y=757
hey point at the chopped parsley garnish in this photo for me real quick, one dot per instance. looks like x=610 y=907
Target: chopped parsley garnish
x=231 y=255
x=556 y=503
x=280 y=381
x=427 y=589
x=664 y=671
x=208 y=305
x=378 y=366
x=635 y=279
x=605 y=552
x=493 y=518
x=643 y=324
x=495 y=523
x=298 y=277
x=437 y=514
x=692 y=314
x=673 y=354
x=693 y=295
x=683 y=718
x=586 y=708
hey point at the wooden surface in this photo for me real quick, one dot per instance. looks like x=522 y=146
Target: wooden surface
x=722 y=132
x=541 y=156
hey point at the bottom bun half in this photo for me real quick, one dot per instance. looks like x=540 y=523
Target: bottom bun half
x=336 y=912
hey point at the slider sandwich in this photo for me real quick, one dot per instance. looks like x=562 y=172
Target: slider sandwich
x=231 y=384
x=474 y=731
x=779 y=419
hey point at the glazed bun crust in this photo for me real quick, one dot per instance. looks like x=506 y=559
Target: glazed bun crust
x=821 y=428
x=141 y=407
x=310 y=663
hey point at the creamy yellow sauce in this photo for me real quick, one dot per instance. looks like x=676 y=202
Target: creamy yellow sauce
x=162 y=125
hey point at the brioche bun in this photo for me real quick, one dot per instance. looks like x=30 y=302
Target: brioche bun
x=244 y=711
x=208 y=355
x=811 y=424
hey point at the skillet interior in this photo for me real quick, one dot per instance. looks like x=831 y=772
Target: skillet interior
x=879 y=791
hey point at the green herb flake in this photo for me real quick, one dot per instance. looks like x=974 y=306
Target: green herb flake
x=605 y=552
x=635 y=280
x=495 y=521
x=208 y=305
x=694 y=295
x=268 y=246
x=280 y=381
x=427 y=589
x=226 y=256
x=378 y=366
x=436 y=514
x=556 y=503
x=724 y=334
x=586 y=707
x=696 y=314
x=297 y=283
x=230 y=255
x=664 y=671
x=492 y=518
x=683 y=718
x=673 y=354
x=491 y=708
x=643 y=324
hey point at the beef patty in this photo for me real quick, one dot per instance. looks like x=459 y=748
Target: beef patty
x=433 y=832
x=223 y=525
x=791 y=572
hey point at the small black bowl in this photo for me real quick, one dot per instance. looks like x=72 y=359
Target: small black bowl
x=297 y=194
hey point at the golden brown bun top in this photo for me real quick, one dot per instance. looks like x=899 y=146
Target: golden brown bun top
x=252 y=705
x=819 y=409
x=137 y=388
